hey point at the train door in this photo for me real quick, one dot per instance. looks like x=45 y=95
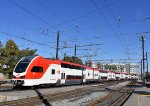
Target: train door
x=54 y=73
x=62 y=78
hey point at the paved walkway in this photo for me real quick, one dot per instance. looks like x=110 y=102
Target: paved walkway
x=140 y=97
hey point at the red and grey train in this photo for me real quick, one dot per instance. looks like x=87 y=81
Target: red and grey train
x=36 y=70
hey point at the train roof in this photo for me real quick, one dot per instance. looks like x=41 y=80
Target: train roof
x=111 y=71
x=65 y=62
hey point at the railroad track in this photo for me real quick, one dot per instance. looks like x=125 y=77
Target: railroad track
x=120 y=101
x=53 y=97
x=3 y=82
x=115 y=98
x=5 y=88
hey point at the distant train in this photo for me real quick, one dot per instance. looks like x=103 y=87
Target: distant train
x=36 y=70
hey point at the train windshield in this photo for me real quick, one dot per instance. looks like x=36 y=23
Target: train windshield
x=23 y=64
x=21 y=67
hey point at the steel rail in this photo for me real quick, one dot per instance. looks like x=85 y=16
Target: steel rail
x=53 y=97
x=115 y=98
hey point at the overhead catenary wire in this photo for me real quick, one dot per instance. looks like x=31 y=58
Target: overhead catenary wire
x=107 y=22
x=14 y=23
x=113 y=24
x=117 y=21
x=109 y=4
x=51 y=11
x=30 y=13
x=101 y=14
x=23 y=38
x=85 y=14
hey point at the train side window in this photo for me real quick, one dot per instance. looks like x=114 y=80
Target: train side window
x=37 y=69
x=62 y=75
x=53 y=71
x=84 y=76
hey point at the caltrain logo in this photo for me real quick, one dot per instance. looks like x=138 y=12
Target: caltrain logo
x=18 y=75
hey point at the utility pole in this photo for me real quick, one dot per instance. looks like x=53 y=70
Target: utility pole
x=75 y=53
x=141 y=69
x=147 y=67
x=64 y=56
x=143 y=54
x=57 y=46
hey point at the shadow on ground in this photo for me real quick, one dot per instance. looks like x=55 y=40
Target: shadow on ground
x=142 y=92
x=41 y=97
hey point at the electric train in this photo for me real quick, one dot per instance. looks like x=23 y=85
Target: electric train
x=36 y=70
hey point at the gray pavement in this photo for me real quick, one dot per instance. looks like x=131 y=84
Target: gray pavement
x=14 y=95
x=116 y=86
x=140 y=97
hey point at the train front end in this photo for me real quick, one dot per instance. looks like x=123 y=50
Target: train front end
x=20 y=71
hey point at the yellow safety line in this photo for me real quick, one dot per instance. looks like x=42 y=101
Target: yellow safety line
x=138 y=104
x=2 y=96
x=138 y=99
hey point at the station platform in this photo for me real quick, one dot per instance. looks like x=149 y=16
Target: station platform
x=140 y=97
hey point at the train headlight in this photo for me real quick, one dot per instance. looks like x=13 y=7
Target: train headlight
x=13 y=76
x=22 y=76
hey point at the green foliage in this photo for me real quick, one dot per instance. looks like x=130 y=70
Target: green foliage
x=113 y=67
x=11 y=49
x=110 y=67
x=1 y=44
x=72 y=59
x=88 y=63
x=99 y=65
x=26 y=52
x=148 y=77
x=107 y=67
x=10 y=55
x=121 y=68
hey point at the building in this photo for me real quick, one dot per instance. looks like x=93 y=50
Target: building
x=131 y=68
x=134 y=68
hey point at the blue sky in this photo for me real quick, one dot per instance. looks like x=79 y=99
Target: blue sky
x=112 y=23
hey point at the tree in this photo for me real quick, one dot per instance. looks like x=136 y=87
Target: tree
x=88 y=63
x=1 y=45
x=148 y=77
x=121 y=68
x=113 y=67
x=26 y=52
x=11 y=49
x=72 y=59
x=9 y=56
x=99 y=65
x=2 y=50
x=107 y=67
x=110 y=67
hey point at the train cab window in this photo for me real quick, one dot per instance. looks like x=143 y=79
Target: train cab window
x=21 y=67
x=88 y=74
x=37 y=69
x=53 y=71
